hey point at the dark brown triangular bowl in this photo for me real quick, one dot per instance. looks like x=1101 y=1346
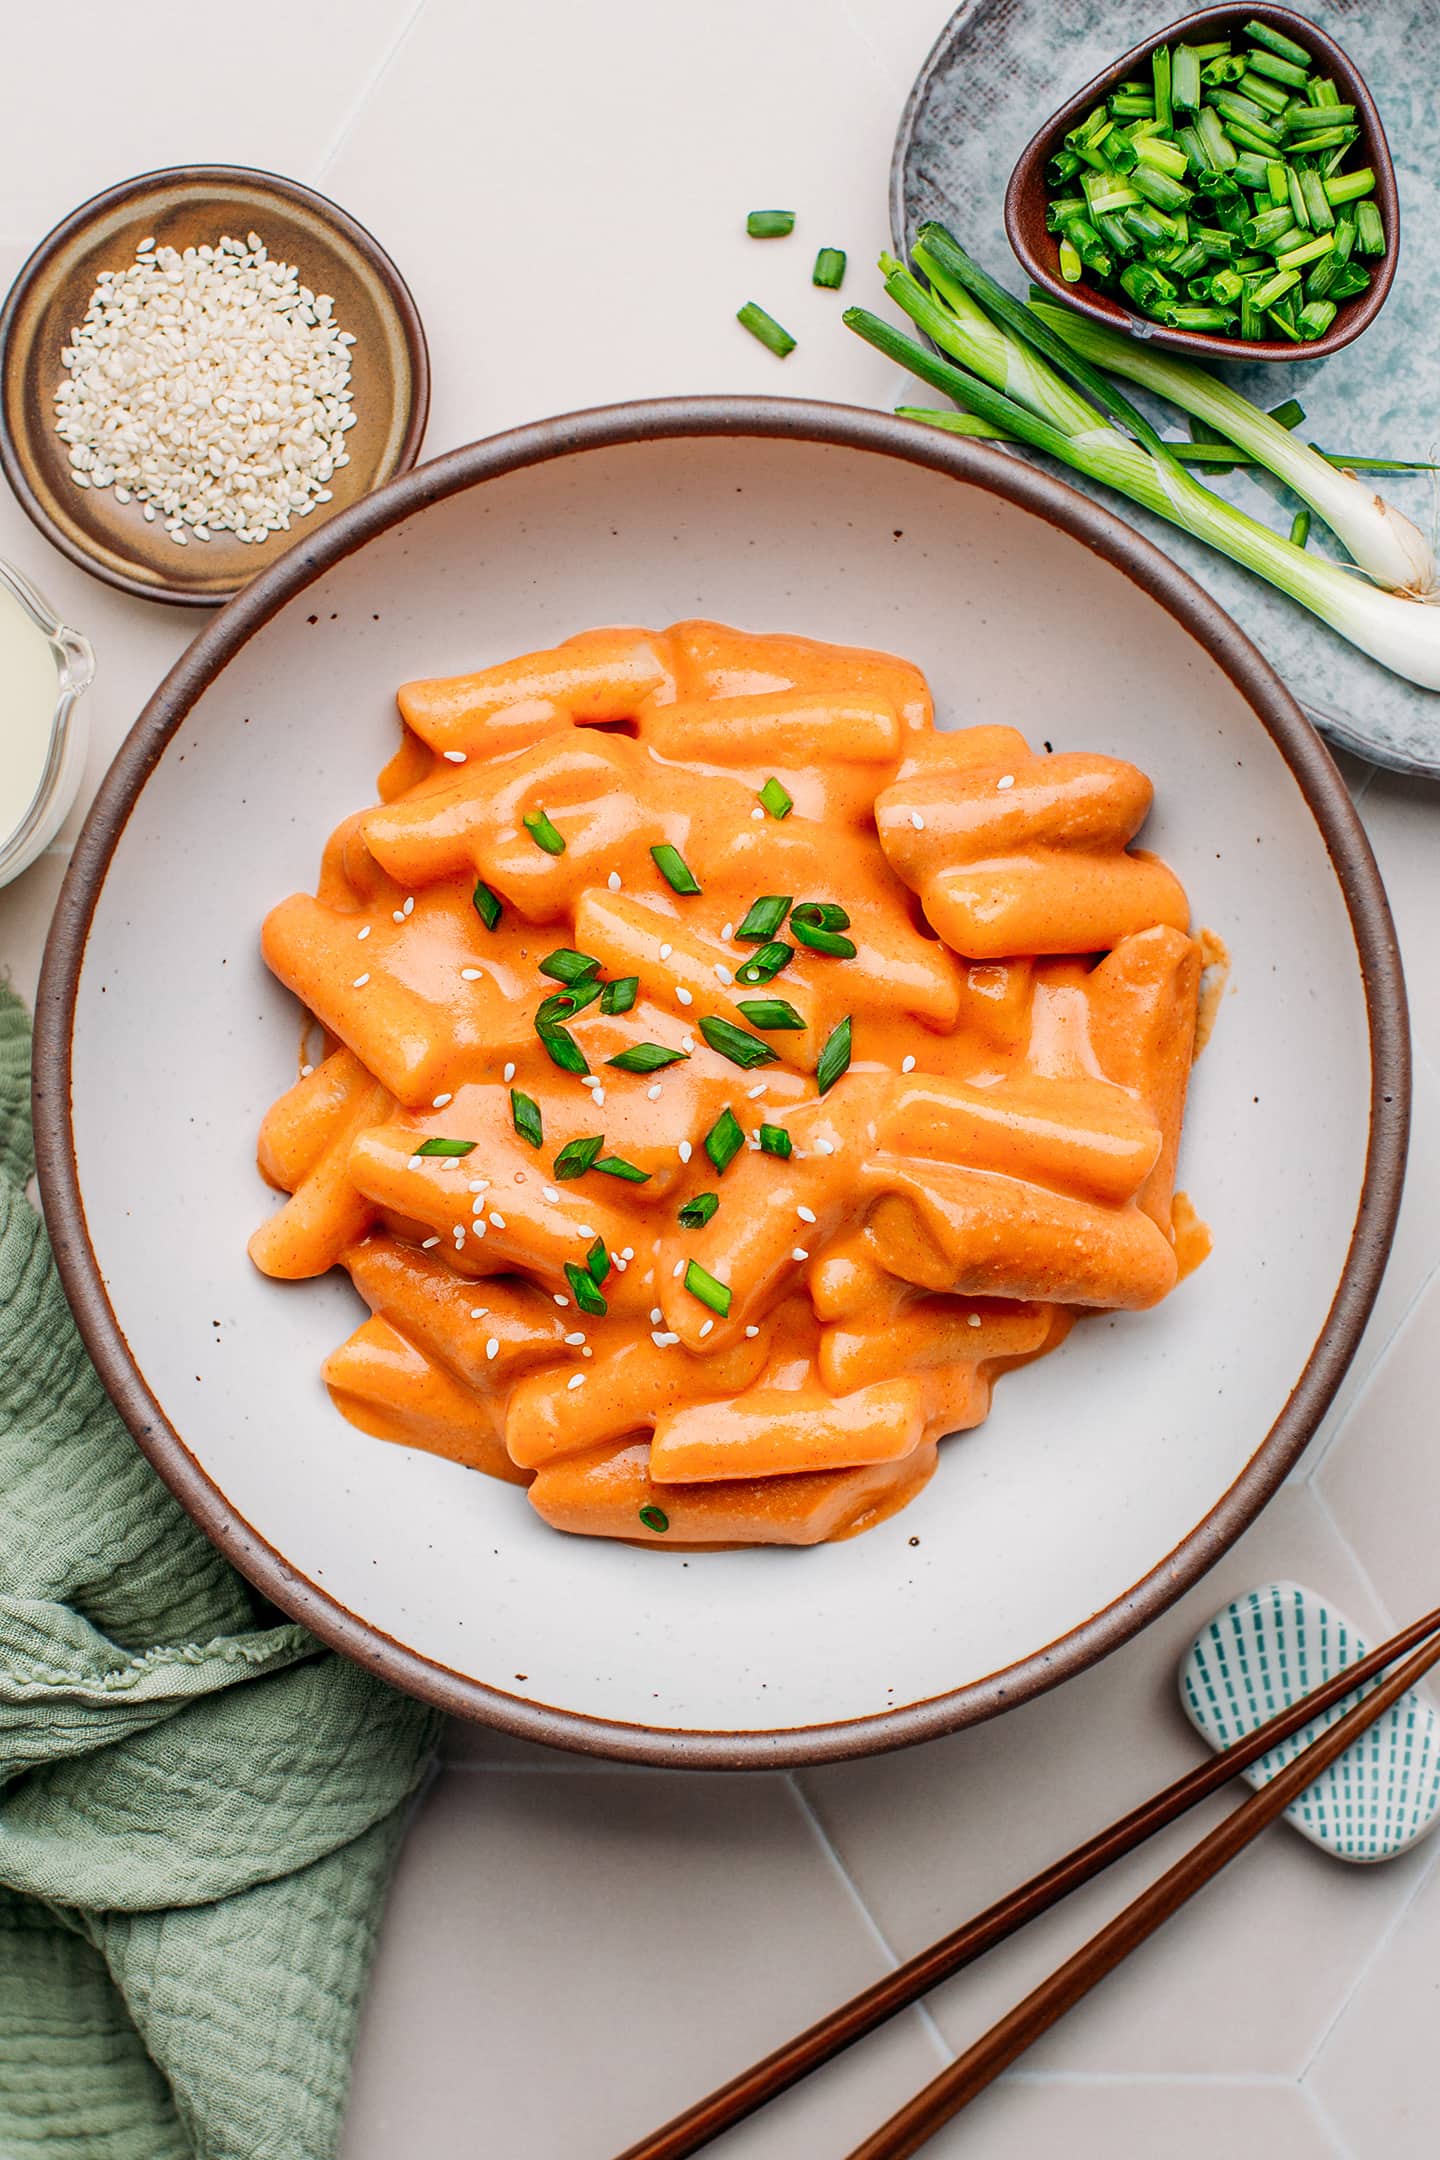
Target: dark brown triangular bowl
x=1039 y=250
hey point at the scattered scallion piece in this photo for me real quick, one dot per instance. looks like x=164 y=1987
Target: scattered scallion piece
x=772 y=1013
x=655 y=1518
x=770 y=224
x=620 y=995
x=616 y=1166
x=597 y=1260
x=674 y=869
x=486 y=904
x=818 y=924
x=562 y=1005
x=834 y=1058
x=773 y=335
x=829 y=271
x=732 y=1042
x=697 y=1212
x=543 y=832
x=562 y=1049
x=586 y=1290
x=703 y=1285
x=525 y=1112
x=575 y=1158
x=763 y=918
x=775 y=1140
x=1300 y=528
x=724 y=1140
x=762 y=966
x=447 y=1147
x=776 y=799
x=646 y=1057
x=565 y=965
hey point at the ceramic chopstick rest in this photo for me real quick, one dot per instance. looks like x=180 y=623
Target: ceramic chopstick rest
x=1277 y=1643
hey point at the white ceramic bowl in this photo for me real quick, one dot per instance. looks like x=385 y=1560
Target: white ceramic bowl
x=1110 y=1475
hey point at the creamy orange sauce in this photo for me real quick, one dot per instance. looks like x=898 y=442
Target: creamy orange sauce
x=998 y=1156
x=1214 y=982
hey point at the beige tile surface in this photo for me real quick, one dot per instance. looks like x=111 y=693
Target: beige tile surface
x=1375 y=2076
x=1402 y=817
x=1162 y=2119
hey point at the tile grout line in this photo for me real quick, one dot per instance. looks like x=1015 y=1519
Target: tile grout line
x=1382 y=1605
x=369 y=87
x=1370 y=1960
x=1239 y=2080
x=882 y=1942
x=1326 y=2124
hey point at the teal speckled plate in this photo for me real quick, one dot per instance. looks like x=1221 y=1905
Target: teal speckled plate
x=1270 y=1647
x=999 y=68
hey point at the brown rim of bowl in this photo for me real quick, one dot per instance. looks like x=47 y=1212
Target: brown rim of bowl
x=844 y=427
x=1037 y=253
x=326 y=212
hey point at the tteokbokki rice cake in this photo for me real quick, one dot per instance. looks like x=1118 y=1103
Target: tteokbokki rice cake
x=729 y=1077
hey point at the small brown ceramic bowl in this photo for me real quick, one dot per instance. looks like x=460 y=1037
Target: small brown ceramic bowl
x=1039 y=250
x=188 y=206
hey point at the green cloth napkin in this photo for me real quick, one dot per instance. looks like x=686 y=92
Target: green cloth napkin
x=198 y=1810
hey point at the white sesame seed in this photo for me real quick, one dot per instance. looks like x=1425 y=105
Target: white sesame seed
x=665 y=951
x=361 y=935
x=396 y=916
x=426 y=1243
x=1006 y=780
x=585 y=1229
x=824 y=1147
x=687 y=1044
x=305 y=1071
x=414 y=1162
x=590 y=1080
x=751 y=1094
x=479 y=1312
x=497 y=1221
x=652 y=1094
x=492 y=1348
x=477 y=1205
x=907 y=1064
x=728 y=932
x=575 y=1340
x=477 y=1228
x=587 y=1351
x=627 y=1252
x=577 y=1379
x=598 y=1098
x=509 y=1073
x=478 y=1184
x=705 y=1330
x=723 y=973
x=559 y=1300
x=757 y=812
x=917 y=821
x=685 y=1151
x=663 y=1340
x=438 y=1102
x=973 y=1319
x=799 y=1253
x=656 y=1315
x=456 y=757
x=471 y=974
x=683 y=994
x=448 y=1162
x=752 y=1331
x=677 y=1271
x=409 y=907
x=805 y=1214
x=613 y=881
x=360 y=982
x=551 y=1193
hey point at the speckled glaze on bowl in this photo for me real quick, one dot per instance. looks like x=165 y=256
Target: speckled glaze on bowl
x=1109 y=1476
x=185 y=207
x=1038 y=251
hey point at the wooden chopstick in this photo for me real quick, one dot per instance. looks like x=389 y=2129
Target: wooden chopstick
x=819 y=2043
x=916 y=2123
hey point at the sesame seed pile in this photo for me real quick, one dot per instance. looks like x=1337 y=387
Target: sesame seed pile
x=212 y=387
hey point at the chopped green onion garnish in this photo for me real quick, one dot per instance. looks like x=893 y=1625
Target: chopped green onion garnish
x=543 y=833
x=834 y=1058
x=620 y=995
x=1300 y=528
x=575 y=1158
x=1275 y=41
x=487 y=904
x=765 y=964
x=772 y=1013
x=733 y=1043
x=586 y=1289
x=775 y=798
x=646 y=1057
x=816 y=924
x=771 y=334
x=526 y=1113
x=616 y=1166
x=655 y=1518
x=1289 y=413
x=697 y=1212
x=563 y=1005
x=775 y=1140
x=829 y=270
x=724 y=1140
x=702 y=1284
x=770 y=224
x=764 y=918
x=597 y=1260
x=562 y=1049
x=568 y=966
x=674 y=869
x=447 y=1147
